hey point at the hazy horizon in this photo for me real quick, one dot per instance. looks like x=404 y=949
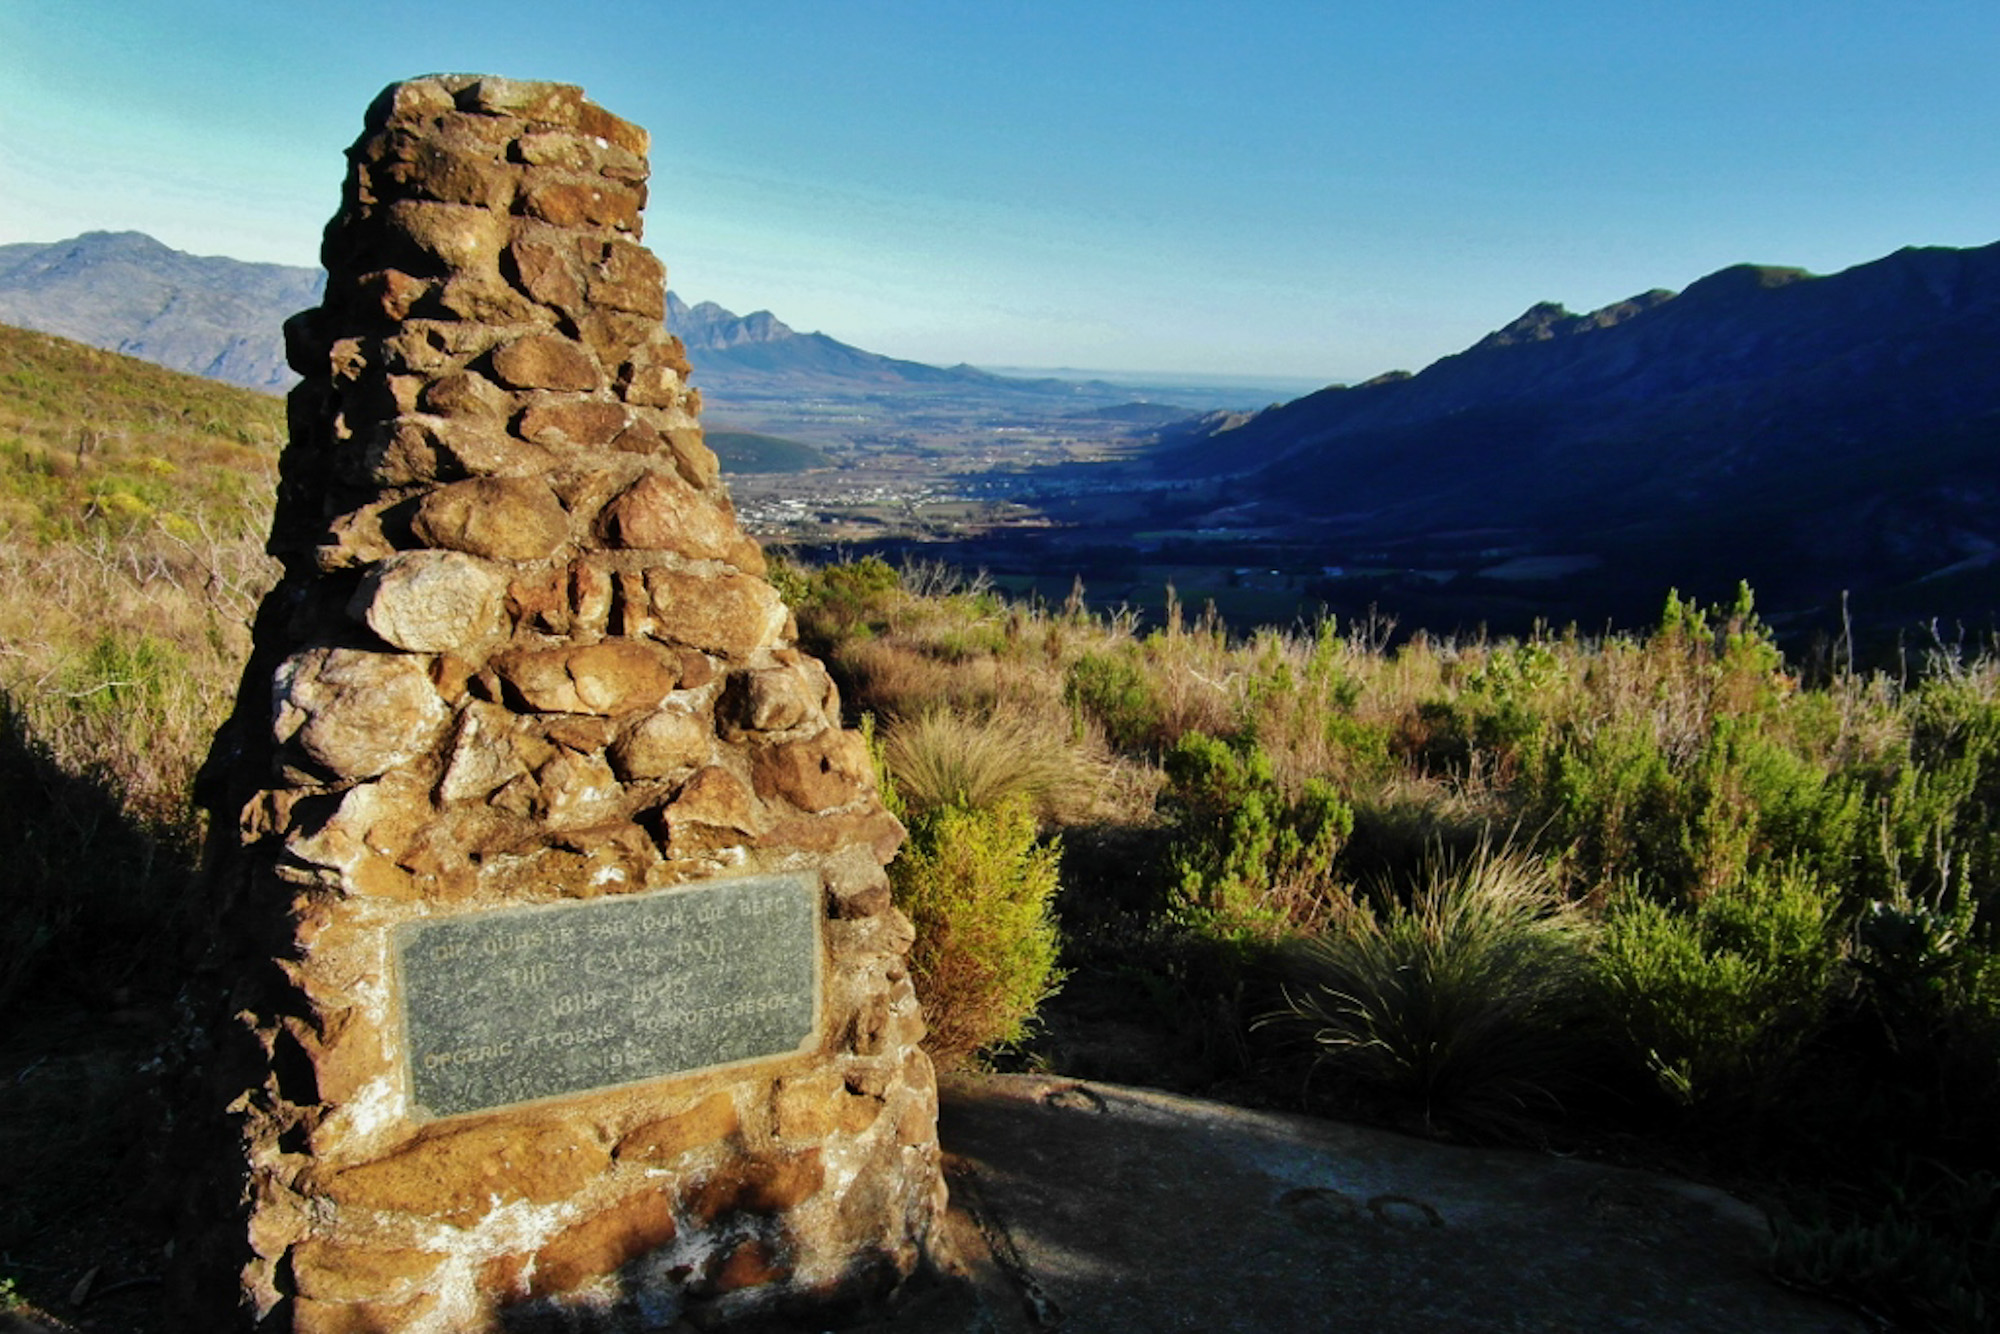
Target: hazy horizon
x=1148 y=378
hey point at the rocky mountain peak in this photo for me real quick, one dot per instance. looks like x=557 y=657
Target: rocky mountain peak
x=1546 y=320
x=708 y=327
x=103 y=247
x=129 y=293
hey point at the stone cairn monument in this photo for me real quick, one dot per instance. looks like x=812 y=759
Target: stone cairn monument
x=566 y=987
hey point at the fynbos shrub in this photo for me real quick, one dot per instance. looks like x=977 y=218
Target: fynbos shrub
x=1246 y=857
x=1716 y=999
x=980 y=890
x=1111 y=689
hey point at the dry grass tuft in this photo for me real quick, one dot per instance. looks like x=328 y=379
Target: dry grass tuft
x=981 y=760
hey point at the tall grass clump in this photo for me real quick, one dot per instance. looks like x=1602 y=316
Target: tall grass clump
x=947 y=756
x=1467 y=1002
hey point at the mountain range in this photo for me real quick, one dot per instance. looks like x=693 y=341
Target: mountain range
x=759 y=354
x=1817 y=436
x=220 y=318
x=1813 y=434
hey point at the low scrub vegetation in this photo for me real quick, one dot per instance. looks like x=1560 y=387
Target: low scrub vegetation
x=979 y=887
x=1560 y=888
x=131 y=536
x=1249 y=858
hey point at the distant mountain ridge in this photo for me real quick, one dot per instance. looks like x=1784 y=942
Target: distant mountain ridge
x=222 y=318
x=711 y=328
x=1817 y=432
x=126 y=292
x=726 y=347
x=759 y=353
x=1731 y=335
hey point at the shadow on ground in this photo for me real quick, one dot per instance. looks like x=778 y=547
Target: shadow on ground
x=1110 y=1210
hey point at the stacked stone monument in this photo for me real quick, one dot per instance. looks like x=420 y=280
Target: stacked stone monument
x=566 y=977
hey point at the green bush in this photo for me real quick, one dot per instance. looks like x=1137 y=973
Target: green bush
x=1112 y=689
x=1246 y=858
x=1754 y=803
x=1360 y=749
x=1938 y=811
x=1742 y=802
x=1613 y=801
x=1716 y=1000
x=980 y=890
x=835 y=603
x=1505 y=702
x=1469 y=1002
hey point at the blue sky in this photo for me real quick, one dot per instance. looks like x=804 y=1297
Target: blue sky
x=1321 y=190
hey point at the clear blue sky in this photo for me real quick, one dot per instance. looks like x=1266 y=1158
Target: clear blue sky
x=1324 y=190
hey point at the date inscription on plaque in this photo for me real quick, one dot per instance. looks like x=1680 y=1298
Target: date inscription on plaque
x=526 y=1003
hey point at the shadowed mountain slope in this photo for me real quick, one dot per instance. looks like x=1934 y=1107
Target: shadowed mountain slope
x=1811 y=433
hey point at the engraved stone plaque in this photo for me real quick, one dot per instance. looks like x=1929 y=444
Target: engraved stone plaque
x=527 y=1003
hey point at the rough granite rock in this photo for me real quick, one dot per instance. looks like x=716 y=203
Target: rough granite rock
x=434 y=602
x=522 y=656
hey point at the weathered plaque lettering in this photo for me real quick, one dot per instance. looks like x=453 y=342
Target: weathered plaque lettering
x=511 y=1006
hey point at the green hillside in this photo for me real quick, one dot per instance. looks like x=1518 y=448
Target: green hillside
x=133 y=506
x=94 y=440
x=746 y=451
